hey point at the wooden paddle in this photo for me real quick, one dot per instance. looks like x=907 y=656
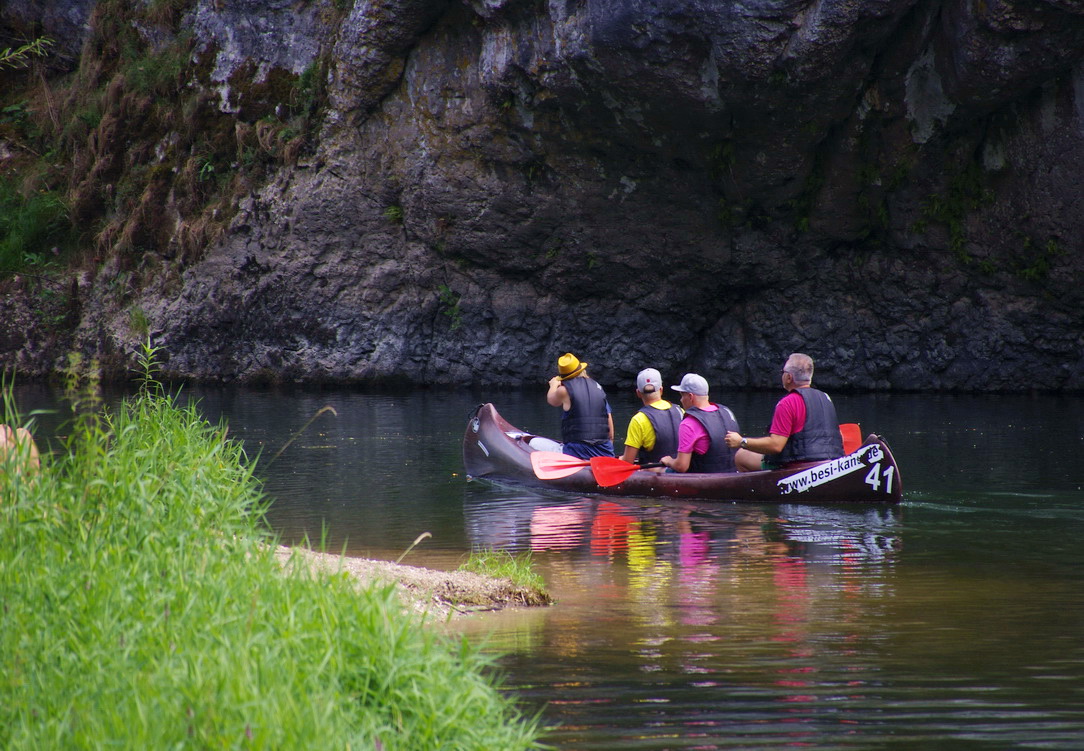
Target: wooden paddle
x=550 y=465
x=609 y=470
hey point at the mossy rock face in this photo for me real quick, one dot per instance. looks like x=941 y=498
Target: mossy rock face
x=145 y=135
x=276 y=94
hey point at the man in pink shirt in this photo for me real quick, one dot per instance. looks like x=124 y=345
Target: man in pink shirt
x=702 y=433
x=804 y=425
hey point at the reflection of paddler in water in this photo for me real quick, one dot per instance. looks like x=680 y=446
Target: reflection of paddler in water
x=559 y=527
x=18 y=452
x=610 y=529
x=740 y=538
x=694 y=548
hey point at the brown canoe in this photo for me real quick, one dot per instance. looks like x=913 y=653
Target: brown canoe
x=497 y=451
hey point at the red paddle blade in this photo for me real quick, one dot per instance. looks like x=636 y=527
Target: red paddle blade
x=610 y=470
x=852 y=436
x=549 y=465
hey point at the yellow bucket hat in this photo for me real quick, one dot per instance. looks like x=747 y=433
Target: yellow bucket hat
x=569 y=366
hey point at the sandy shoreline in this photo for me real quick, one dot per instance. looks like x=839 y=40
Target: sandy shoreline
x=440 y=593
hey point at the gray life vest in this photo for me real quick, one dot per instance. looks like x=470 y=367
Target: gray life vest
x=718 y=458
x=665 y=423
x=819 y=438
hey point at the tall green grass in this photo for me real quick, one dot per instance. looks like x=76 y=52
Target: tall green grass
x=141 y=607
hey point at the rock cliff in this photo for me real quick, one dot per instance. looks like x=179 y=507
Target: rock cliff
x=892 y=186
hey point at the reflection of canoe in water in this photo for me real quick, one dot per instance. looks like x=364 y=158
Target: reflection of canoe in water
x=493 y=449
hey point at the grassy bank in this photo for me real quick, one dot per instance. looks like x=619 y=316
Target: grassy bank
x=142 y=608
x=501 y=564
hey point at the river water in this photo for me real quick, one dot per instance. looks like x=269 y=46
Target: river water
x=952 y=621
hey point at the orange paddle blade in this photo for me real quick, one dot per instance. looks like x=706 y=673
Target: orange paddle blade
x=613 y=471
x=549 y=465
x=852 y=436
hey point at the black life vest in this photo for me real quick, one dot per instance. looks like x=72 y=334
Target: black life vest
x=587 y=421
x=718 y=458
x=665 y=423
x=819 y=438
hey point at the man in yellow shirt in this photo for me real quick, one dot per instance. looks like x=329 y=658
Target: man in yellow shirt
x=653 y=431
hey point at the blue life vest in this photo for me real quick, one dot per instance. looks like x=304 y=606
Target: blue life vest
x=819 y=438
x=718 y=458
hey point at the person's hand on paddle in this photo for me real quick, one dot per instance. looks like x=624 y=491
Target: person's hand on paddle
x=679 y=463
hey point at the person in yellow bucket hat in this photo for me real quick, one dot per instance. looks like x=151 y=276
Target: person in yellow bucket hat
x=587 y=425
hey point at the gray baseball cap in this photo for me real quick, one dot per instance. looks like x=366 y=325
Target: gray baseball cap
x=693 y=384
x=648 y=377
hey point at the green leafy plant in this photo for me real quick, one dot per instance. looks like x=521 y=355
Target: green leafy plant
x=147 y=362
x=721 y=158
x=802 y=204
x=205 y=167
x=726 y=214
x=394 y=214
x=309 y=89
x=138 y=321
x=17 y=57
x=449 y=302
x=967 y=190
x=160 y=73
x=1035 y=263
x=34 y=230
x=14 y=115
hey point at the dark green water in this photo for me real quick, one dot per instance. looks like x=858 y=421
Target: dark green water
x=953 y=621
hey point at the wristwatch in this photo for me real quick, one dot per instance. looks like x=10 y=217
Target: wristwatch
x=745 y=443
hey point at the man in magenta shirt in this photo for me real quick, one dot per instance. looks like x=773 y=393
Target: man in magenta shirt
x=702 y=432
x=804 y=425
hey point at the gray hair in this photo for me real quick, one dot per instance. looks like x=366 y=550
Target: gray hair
x=800 y=367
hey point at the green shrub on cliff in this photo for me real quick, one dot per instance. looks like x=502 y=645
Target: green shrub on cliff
x=136 y=132
x=141 y=607
x=33 y=230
